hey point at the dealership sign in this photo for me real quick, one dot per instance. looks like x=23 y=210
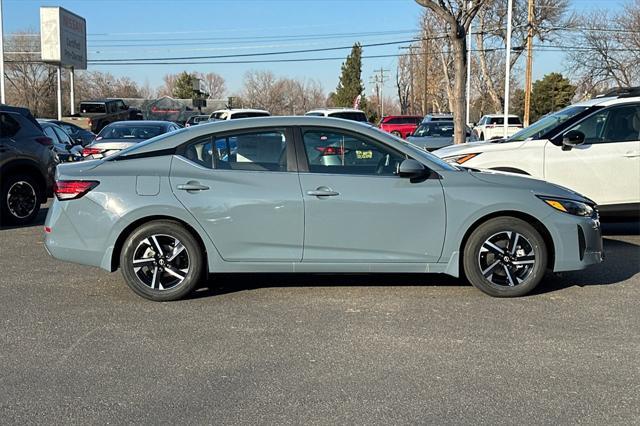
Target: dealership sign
x=63 y=38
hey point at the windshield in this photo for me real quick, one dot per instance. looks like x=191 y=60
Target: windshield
x=130 y=132
x=435 y=129
x=347 y=115
x=546 y=123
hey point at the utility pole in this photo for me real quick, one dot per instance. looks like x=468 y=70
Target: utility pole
x=425 y=69
x=379 y=79
x=2 y=94
x=507 y=71
x=468 y=89
x=527 y=77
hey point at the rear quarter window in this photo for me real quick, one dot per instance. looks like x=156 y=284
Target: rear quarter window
x=9 y=126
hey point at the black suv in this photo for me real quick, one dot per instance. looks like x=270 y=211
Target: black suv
x=27 y=166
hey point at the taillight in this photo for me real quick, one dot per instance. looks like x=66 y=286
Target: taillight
x=43 y=140
x=331 y=150
x=91 y=151
x=73 y=189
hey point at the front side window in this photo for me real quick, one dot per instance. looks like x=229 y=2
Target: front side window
x=257 y=151
x=348 y=115
x=63 y=136
x=615 y=124
x=341 y=153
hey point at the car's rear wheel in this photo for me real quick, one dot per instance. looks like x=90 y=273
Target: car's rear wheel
x=162 y=261
x=396 y=133
x=481 y=136
x=19 y=199
x=505 y=257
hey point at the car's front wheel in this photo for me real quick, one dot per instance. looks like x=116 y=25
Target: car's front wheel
x=505 y=257
x=162 y=261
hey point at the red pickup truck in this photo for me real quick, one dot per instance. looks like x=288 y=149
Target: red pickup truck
x=400 y=125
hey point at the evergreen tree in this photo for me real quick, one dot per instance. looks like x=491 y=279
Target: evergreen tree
x=183 y=88
x=550 y=94
x=350 y=84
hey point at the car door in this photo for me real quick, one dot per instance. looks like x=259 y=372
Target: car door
x=357 y=209
x=243 y=189
x=606 y=167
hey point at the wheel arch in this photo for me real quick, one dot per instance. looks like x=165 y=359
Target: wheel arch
x=117 y=248
x=25 y=167
x=532 y=220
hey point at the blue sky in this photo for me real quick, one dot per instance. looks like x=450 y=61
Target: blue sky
x=222 y=27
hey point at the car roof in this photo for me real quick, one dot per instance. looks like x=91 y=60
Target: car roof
x=329 y=110
x=234 y=110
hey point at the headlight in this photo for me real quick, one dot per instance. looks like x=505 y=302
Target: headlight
x=459 y=159
x=577 y=208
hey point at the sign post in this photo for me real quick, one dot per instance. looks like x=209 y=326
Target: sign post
x=63 y=40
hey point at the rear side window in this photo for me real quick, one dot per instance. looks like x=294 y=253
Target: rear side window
x=500 y=120
x=255 y=151
x=354 y=116
x=249 y=115
x=93 y=108
x=9 y=127
x=315 y=114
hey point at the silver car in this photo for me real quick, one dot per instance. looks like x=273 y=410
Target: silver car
x=260 y=195
x=124 y=134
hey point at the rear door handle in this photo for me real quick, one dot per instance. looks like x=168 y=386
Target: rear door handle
x=192 y=186
x=323 y=191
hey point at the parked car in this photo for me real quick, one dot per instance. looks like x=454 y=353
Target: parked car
x=96 y=114
x=27 y=166
x=344 y=113
x=78 y=134
x=232 y=114
x=169 y=210
x=434 y=135
x=492 y=126
x=123 y=134
x=195 y=120
x=66 y=149
x=437 y=117
x=592 y=147
x=400 y=125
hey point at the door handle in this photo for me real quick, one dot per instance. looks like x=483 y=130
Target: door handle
x=192 y=186
x=632 y=154
x=323 y=191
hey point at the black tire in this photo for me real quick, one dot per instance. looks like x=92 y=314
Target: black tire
x=141 y=244
x=514 y=275
x=20 y=199
x=396 y=133
x=481 y=136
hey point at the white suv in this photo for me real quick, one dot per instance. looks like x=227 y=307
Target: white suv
x=492 y=127
x=232 y=114
x=592 y=147
x=344 y=113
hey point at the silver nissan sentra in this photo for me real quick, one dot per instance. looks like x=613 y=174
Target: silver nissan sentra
x=310 y=194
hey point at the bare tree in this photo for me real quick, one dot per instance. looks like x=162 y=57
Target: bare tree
x=169 y=84
x=550 y=18
x=457 y=14
x=281 y=96
x=31 y=83
x=604 y=58
x=214 y=83
x=404 y=78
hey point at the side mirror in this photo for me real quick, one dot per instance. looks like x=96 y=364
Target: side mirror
x=572 y=138
x=414 y=170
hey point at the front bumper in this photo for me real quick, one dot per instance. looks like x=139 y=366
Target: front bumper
x=578 y=243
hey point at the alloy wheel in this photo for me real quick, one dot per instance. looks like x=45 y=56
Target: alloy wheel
x=21 y=199
x=506 y=258
x=161 y=262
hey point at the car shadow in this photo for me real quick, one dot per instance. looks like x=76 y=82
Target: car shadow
x=622 y=262
x=38 y=221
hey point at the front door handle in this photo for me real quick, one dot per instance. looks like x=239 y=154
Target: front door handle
x=192 y=186
x=323 y=191
x=632 y=154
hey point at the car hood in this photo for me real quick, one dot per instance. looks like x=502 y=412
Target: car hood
x=537 y=186
x=475 y=147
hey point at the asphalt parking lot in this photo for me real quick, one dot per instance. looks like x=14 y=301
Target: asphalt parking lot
x=77 y=346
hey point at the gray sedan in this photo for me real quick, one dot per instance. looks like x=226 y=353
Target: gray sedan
x=124 y=134
x=310 y=194
x=434 y=135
